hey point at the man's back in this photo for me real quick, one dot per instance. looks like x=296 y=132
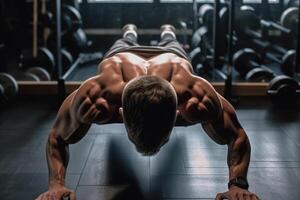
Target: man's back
x=115 y=72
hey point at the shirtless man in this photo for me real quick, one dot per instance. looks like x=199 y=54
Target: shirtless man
x=150 y=89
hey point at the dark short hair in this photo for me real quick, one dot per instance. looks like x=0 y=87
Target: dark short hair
x=149 y=108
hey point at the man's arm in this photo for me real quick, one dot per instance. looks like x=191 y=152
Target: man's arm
x=66 y=126
x=74 y=119
x=227 y=130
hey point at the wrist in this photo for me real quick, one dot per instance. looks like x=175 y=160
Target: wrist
x=56 y=184
x=239 y=182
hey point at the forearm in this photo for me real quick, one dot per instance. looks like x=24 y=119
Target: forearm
x=239 y=150
x=57 y=158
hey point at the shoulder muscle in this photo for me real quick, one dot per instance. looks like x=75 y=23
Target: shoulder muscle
x=204 y=105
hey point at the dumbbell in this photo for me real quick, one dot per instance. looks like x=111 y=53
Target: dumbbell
x=284 y=91
x=248 y=23
x=202 y=42
x=8 y=88
x=67 y=60
x=206 y=30
x=246 y=63
x=285 y=58
x=206 y=15
x=44 y=59
x=74 y=42
x=199 y=44
x=35 y=74
x=71 y=19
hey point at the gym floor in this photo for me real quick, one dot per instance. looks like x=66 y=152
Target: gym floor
x=191 y=166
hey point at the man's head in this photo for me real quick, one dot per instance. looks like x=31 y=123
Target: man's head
x=149 y=111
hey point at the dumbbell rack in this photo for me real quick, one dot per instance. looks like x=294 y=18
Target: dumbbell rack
x=216 y=31
x=62 y=78
x=63 y=87
x=216 y=45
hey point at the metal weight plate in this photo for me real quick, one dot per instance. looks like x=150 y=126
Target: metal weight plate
x=196 y=57
x=28 y=77
x=207 y=43
x=206 y=15
x=288 y=64
x=67 y=59
x=259 y=75
x=283 y=90
x=289 y=19
x=75 y=42
x=41 y=73
x=71 y=18
x=80 y=39
x=9 y=87
x=278 y=81
x=197 y=37
x=224 y=17
x=223 y=42
x=242 y=60
x=44 y=59
x=246 y=20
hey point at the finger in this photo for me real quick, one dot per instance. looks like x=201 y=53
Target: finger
x=39 y=197
x=248 y=197
x=254 y=197
x=53 y=197
x=44 y=197
x=240 y=196
x=72 y=196
x=220 y=196
x=233 y=197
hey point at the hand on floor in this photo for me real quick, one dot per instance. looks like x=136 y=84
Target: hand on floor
x=57 y=193
x=236 y=193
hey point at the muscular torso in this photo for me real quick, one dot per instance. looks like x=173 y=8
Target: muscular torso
x=99 y=98
x=117 y=71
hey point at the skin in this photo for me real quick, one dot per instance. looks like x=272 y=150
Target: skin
x=98 y=100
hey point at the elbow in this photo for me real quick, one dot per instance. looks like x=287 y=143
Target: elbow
x=242 y=142
x=245 y=140
x=54 y=139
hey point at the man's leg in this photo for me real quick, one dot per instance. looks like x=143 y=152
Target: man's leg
x=169 y=41
x=167 y=35
x=129 y=39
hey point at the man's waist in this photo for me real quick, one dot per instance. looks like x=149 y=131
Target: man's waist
x=147 y=51
x=151 y=51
